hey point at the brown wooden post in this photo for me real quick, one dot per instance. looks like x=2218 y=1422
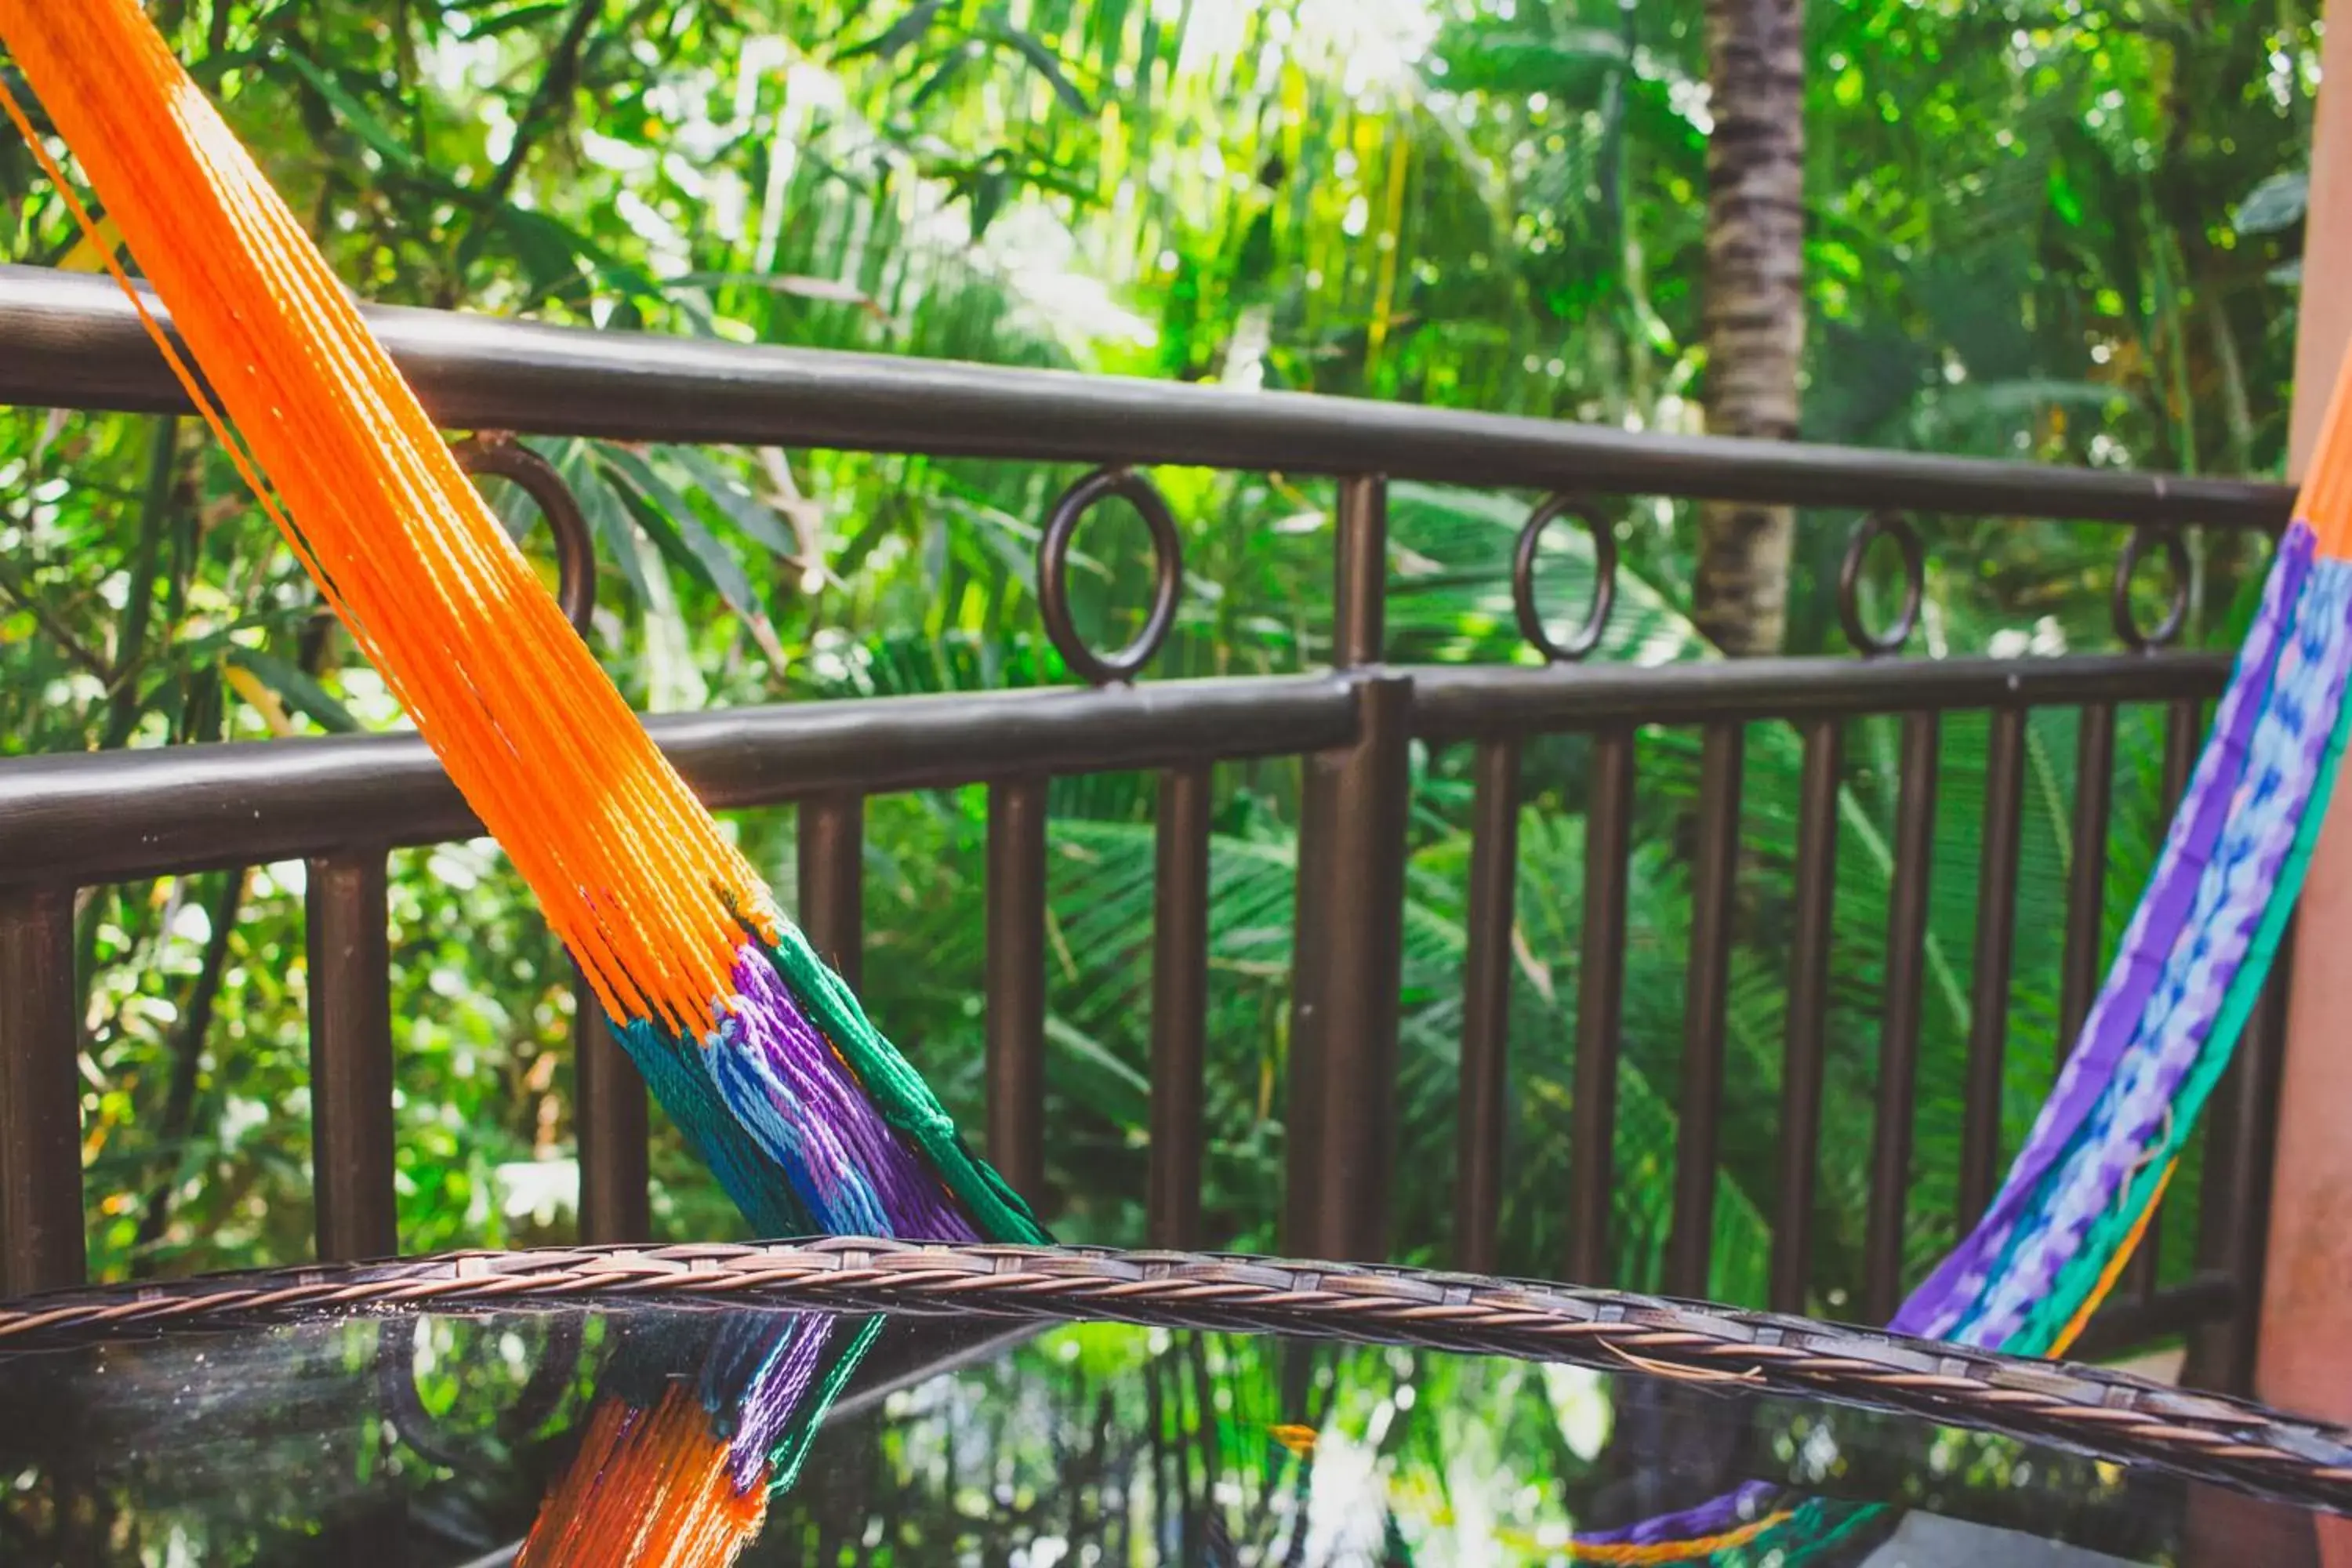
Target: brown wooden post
x=2307 y=1278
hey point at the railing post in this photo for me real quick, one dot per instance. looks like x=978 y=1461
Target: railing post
x=1898 y=1048
x=2004 y=819
x=615 y=1203
x=1483 y=1116
x=1809 y=1006
x=1714 y=890
x=2234 y=1221
x=1346 y=980
x=832 y=861
x=1361 y=558
x=41 y=1237
x=1017 y=984
x=1179 y=986
x=351 y=1056
x=2086 y=896
x=1599 y=1005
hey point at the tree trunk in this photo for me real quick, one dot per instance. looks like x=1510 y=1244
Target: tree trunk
x=1755 y=302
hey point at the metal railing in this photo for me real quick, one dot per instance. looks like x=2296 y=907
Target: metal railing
x=342 y=804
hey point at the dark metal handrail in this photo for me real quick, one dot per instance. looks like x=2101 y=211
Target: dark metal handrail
x=104 y=817
x=74 y=341
x=116 y=815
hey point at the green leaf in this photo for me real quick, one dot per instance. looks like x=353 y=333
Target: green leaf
x=608 y=515
x=725 y=491
x=670 y=521
x=1046 y=65
x=1515 y=60
x=301 y=693
x=830 y=290
x=989 y=189
x=520 y=17
x=1254 y=263
x=356 y=117
x=1117 y=1089
x=2277 y=203
x=2064 y=201
x=551 y=253
x=887 y=43
x=933 y=84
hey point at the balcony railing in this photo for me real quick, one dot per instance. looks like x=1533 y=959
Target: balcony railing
x=77 y=821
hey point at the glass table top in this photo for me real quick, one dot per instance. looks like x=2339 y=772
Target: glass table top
x=426 y=1439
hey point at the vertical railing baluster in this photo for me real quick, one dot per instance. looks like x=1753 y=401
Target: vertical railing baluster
x=2237 y=1125
x=1346 y=979
x=2004 y=811
x=615 y=1201
x=1599 y=1005
x=1180 y=1000
x=832 y=863
x=1360 y=562
x=2217 y=1196
x=2184 y=722
x=1808 y=1039
x=1715 y=887
x=42 y=1244
x=1017 y=984
x=351 y=1056
x=2086 y=894
x=1344 y=1029
x=2252 y=1141
x=1487 y=1007
x=2184 y=730
x=1899 y=1046
x=1302 y=1121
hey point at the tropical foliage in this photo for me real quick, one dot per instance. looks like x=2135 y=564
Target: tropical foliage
x=2063 y=231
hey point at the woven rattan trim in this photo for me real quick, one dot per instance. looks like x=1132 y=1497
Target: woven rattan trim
x=2102 y=1413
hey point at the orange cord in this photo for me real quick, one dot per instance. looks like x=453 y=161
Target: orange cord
x=649 y=1489
x=1629 y=1555
x=634 y=874
x=2326 y=500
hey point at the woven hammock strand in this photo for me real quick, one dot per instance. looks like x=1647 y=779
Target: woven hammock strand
x=811 y=1118
x=634 y=876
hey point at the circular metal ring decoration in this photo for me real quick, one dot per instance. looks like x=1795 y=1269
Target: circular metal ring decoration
x=1604 y=580
x=496 y=453
x=1053 y=564
x=2175 y=614
x=1881 y=525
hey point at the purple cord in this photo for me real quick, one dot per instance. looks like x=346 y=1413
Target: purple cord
x=797 y=1097
x=1744 y=1504
x=775 y=1392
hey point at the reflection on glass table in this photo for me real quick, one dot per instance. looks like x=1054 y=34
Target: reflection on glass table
x=432 y=1440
